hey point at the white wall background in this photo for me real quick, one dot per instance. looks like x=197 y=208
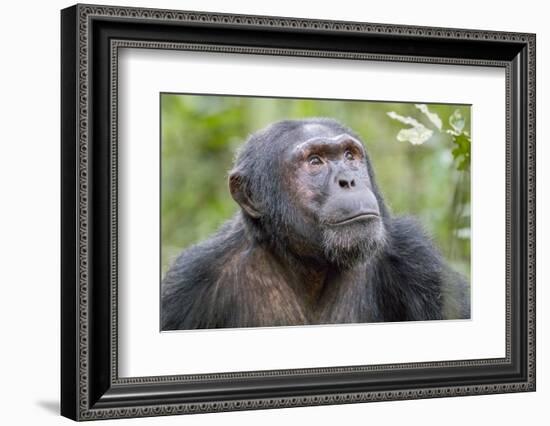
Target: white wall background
x=29 y=212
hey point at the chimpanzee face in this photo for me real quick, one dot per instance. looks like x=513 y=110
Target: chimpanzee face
x=309 y=188
x=330 y=184
x=332 y=181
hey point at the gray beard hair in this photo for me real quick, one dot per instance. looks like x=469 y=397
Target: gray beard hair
x=348 y=245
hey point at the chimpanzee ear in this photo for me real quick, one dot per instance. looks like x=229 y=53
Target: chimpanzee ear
x=241 y=194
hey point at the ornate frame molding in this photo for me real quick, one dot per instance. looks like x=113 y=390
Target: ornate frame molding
x=90 y=400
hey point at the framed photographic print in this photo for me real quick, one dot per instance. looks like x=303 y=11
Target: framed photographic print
x=263 y=212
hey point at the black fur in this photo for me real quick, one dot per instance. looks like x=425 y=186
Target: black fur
x=249 y=273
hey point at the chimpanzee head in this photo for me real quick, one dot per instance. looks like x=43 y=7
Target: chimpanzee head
x=307 y=188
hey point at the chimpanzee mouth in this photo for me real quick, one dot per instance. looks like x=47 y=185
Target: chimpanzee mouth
x=356 y=218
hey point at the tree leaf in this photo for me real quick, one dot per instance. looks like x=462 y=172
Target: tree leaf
x=456 y=120
x=432 y=116
x=405 y=120
x=415 y=135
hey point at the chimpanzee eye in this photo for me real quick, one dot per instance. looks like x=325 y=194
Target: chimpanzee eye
x=314 y=160
x=348 y=155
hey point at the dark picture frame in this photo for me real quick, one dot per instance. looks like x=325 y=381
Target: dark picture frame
x=90 y=385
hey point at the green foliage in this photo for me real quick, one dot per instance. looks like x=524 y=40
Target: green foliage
x=462 y=151
x=418 y=133
x=461 y=138
x=458 y=224
x=428 y=179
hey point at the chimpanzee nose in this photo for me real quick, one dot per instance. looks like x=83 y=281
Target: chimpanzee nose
x=344 y=179
x=346 y=183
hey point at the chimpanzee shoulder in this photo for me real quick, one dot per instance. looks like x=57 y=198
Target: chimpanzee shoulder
x=410 y=279
x=228 y=281
x=190 y=298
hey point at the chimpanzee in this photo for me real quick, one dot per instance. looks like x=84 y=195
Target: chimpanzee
x=313 y=243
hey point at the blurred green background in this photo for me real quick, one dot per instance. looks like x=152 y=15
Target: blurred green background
x=420 y=154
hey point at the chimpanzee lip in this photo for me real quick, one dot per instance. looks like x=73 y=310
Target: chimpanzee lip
x=356 y=217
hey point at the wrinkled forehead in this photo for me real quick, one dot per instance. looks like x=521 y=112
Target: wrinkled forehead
x=329 y=144
x=315 y=130
x=315 y=133
x=319 y=138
